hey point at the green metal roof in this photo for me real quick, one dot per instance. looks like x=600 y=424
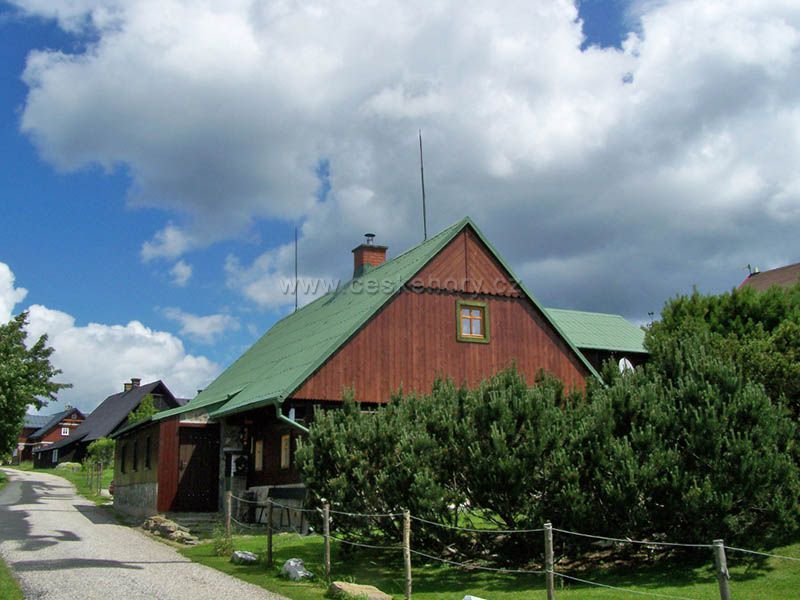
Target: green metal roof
x=297 y=345
x=599 y=331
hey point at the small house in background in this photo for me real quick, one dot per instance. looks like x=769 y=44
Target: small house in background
x=58 y=427
x=40 y=431
x=450 y=306
x=787 y=276
x=24 y=450
x=602 y=336
x=108 y=417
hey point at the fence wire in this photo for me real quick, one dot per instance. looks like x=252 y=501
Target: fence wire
x=619 y=589
x=362 y=545
x=758 y=553
x=630 y=541
x=471 y=530
x=478 y=567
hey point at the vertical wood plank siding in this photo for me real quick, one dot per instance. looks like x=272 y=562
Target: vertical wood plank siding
x=413 y=339
x=167 y=464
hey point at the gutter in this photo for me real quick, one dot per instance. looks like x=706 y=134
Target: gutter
x=281 y=417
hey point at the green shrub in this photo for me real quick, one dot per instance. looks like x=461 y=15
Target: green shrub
x=686 y=448
x=69 y=466
x=223 y=543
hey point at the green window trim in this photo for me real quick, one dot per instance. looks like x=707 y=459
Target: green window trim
x=484 y=308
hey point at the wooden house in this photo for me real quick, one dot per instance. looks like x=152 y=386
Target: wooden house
x=450 y=306
x=51 y=429
x=761 y=281
x=108 y=417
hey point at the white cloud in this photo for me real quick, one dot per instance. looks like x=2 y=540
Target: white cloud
x=9 y=295
x=205 y=329
x=181 y=272
x=98 y=358
x=170 y=242
x=678 y=151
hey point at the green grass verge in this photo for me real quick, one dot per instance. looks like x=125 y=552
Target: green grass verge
x=773 y=578
x=77 y=478
x=3 y=479
x=9 y=588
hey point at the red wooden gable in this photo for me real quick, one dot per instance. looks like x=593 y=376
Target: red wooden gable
x=412 y=340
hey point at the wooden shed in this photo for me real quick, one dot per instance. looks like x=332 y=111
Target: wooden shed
x=167 y=465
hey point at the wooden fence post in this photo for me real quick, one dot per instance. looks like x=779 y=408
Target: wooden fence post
x=228 y=513
x=721 y=564
x=326 y=531
x=549 y=560
x=407 y=550
x=269 y=532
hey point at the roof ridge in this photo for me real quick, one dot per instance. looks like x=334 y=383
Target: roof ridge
x=586 y=312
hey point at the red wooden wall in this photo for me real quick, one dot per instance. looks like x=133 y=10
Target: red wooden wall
x=167 y=464
x=54 y=435
x=413 y=339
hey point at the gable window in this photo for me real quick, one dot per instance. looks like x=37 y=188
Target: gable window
x=286 y=451
x=473 y=321
x=147 y=452
x=65 y=431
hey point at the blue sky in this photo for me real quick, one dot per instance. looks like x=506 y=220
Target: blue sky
x=231 y=161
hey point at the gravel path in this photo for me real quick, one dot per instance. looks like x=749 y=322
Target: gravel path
x=62 y=547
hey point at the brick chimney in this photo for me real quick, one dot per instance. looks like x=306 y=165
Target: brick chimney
x=368 y=255
x=134 y=383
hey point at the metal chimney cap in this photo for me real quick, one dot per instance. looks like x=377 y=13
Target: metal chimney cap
x=370 y=237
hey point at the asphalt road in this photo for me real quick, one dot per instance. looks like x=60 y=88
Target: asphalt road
x=62 y=547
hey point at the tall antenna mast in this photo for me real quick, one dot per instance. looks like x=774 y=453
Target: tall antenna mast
x=295 y=269
x=422 y=179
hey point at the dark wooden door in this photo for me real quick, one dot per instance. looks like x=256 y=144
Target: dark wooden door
x=198 y=469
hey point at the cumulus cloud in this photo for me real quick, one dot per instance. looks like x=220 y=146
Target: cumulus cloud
x=610 y=178
x=9 y=294
x=97 y=358
x=181 y=272
x=205 y=329
x=170 y=242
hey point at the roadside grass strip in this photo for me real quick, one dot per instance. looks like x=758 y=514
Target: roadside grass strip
x=9 y=588
x=78 y=478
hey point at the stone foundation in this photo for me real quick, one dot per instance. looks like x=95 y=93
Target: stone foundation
x=137 y=499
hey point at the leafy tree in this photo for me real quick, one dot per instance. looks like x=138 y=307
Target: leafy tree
x=101 y=451
x=26 y=378
x=144 y=411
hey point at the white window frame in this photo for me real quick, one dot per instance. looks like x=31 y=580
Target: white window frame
x=55 y=455
x=65 y=431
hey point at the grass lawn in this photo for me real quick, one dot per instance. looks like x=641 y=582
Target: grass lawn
x=9 y=588
x=77 y=478
x=773 y=578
